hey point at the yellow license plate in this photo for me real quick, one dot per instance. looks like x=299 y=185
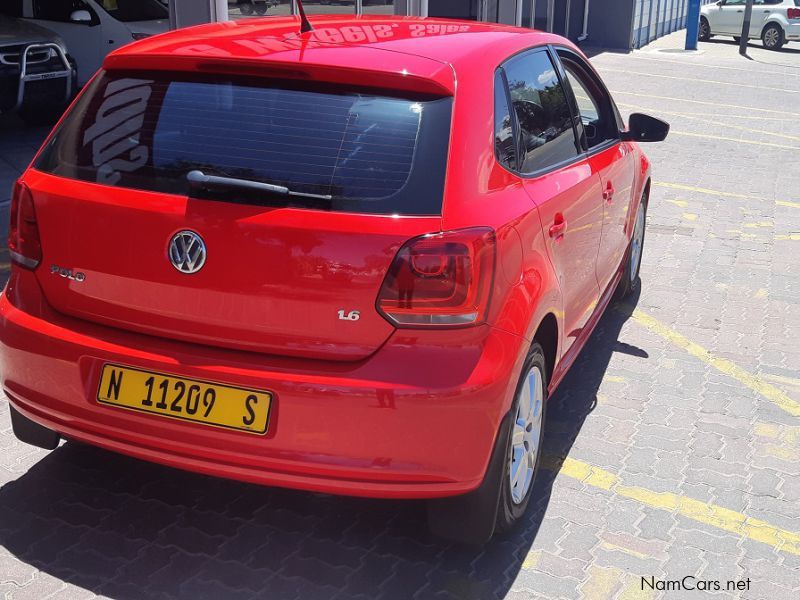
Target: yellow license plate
x=186 y=399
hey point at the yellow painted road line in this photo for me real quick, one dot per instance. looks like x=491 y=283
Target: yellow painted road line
x=732 y=139
x=707 y=121
x=794 y=382
x=715 y=104
x=787 y=435
x=705 y=81
x=707 y=114
x=715 y=67
x=702 y=512
x=633 y=590
x=602 y=583
x=699 y=190
x=723 y=365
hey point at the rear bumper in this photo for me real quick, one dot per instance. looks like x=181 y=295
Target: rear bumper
x=416 y=419
x=793 y=31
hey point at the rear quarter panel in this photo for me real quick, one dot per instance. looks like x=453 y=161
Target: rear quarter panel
x=478 y=191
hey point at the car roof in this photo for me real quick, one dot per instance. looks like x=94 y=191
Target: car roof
x=452 y=42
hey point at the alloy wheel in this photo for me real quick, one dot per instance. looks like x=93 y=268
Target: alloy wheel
x=771 y=37
x=525 y=436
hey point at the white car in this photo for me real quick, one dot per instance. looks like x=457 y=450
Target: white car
x=775 y=22
x=93 y=28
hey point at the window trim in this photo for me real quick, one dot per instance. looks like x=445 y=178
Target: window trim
x=588 y=70
x=511 y=113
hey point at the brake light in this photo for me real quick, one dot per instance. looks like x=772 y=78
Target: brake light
x=440 y=280
x=24 y=246
x=793 y=13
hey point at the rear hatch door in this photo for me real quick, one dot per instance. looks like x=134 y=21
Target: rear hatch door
x=294 y=274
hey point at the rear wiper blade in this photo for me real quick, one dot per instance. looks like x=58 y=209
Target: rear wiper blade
x=199 y=180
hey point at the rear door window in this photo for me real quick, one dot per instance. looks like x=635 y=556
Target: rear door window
x=546 y=133
x=370 y=152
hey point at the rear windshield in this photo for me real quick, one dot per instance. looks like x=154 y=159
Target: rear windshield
x=369 y=153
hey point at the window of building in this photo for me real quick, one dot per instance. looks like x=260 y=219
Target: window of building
x=377 y=7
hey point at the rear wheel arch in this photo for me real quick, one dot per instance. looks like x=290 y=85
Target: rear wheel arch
x=646 y=188
x=781 y=32
x=547 y=337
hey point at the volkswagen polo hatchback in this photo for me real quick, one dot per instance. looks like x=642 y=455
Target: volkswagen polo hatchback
x=353 y=260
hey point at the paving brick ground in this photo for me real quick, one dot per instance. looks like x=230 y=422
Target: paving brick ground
x=678 y=423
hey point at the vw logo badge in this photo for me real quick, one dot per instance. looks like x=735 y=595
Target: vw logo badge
x=187 y=252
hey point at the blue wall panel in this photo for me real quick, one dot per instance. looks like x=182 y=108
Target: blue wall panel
x=655 y=18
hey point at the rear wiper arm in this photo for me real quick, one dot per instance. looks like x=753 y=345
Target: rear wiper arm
x=199 y=180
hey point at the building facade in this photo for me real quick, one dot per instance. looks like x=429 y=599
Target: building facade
x=613 y=24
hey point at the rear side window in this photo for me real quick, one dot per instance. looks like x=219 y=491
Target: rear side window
x=505 y=148
x=547 y=137
x=370 y=153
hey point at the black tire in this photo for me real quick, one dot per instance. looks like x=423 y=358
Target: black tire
x=474 y=517
x=704 y=32
x=631 y=281
x=773 y=37
x=261 y=9
x=246 y=7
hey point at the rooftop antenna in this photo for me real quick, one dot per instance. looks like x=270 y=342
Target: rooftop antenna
x=305 y=24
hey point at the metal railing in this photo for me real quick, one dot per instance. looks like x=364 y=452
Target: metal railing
x=25 y=77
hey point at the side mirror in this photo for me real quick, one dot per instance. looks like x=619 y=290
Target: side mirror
x=720 y=2
x=644 y=128
x=80 y=16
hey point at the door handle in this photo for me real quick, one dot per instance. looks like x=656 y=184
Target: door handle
x=558 y=227
x=608 y=194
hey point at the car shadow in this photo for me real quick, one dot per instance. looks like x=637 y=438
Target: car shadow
x=130 y=530
x=757 y=45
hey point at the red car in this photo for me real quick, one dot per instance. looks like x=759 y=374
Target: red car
x=353 y=260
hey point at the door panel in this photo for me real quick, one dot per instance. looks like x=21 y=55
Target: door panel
x=731 y=17
x=617 y=172
x=570 y=199
x=609 y=157
x=559 y=182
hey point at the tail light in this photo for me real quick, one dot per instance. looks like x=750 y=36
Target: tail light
x=793 y=13
x=24 y=246
x=440 y=280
